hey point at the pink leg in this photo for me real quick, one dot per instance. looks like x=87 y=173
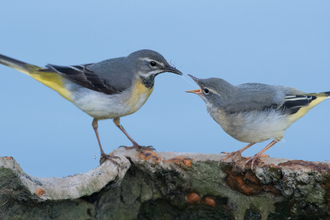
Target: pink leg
x=236 y=153
x=103 y=155
x=258 y=155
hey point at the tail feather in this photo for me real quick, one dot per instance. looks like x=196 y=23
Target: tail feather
x=46 y=76
x=325 y=95
x=19 y=65
x=322 y=95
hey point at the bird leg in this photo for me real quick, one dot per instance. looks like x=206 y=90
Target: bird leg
x=235 y=153
x=258 y=155
x=135 y=145
x=104 y=156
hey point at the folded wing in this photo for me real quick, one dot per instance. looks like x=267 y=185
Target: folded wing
x=84 y=76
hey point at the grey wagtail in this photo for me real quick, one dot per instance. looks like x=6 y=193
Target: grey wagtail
x=109 y=89
x=254 y=112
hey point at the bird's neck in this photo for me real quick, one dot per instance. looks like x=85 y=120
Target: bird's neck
x=148 y=81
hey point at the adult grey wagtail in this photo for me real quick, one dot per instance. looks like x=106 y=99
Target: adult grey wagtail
x=254 y=112
x=109 y=89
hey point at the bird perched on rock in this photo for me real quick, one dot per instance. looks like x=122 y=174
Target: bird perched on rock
x=254 y=112
x=109 y=89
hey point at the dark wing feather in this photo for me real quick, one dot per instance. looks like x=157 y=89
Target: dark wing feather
x=293 y=103
x=85 y=77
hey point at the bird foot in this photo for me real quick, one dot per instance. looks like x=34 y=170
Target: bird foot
x=139 y=148
x=105 y=157
x=253 y=159
x=233 y=155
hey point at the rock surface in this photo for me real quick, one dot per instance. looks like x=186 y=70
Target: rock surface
x=170 y=185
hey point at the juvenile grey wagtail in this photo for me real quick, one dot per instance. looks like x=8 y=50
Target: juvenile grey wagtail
x=254 y=112
x=109 y=89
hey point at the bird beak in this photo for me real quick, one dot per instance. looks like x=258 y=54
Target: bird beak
x=194 y=78
x=172 y=69
x=196 y=91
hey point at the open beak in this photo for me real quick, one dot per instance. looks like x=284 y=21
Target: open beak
x=172 y=69
x=196 y=91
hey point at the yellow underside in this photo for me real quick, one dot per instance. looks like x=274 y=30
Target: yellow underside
x=50 y=79
x=140 y=94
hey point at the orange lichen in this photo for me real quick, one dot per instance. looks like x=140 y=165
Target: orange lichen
x=209 y=201
x=40 y=192
x=181 y=161
x=252 y=177
x=8 y=158
x=271 y=189
x=247 y=183
x=193 y=198
x=271 y=165
x=148 y=155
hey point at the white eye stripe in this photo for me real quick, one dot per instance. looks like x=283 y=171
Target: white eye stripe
x=149 y=60
x=211 y=90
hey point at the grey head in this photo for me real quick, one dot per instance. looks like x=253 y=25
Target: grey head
x=214 y=91
x=148 y=64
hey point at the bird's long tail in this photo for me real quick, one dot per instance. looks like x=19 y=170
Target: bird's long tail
x=19 y=65
x=46 y=76
x=321 y=96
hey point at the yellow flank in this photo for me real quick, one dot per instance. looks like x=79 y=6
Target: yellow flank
x=50 y=79
x=303 y=110
x=140 y=94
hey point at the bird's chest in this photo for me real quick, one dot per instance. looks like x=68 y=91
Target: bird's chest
x=139 y=95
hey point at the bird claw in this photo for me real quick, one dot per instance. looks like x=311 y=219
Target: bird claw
x=252 y=160
x=139 y=148
x=233 y=155
x=105 y=157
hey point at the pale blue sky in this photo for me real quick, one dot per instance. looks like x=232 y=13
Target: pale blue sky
x=275 y=42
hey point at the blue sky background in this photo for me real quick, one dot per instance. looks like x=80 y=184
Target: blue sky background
x=274 y=42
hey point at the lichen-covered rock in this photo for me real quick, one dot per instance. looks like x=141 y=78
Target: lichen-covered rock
x=163 y=185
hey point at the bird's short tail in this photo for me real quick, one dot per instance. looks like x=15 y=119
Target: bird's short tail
x=46 y=76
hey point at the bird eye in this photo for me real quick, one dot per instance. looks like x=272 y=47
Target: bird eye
x=153 y=63
x=206 y=91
